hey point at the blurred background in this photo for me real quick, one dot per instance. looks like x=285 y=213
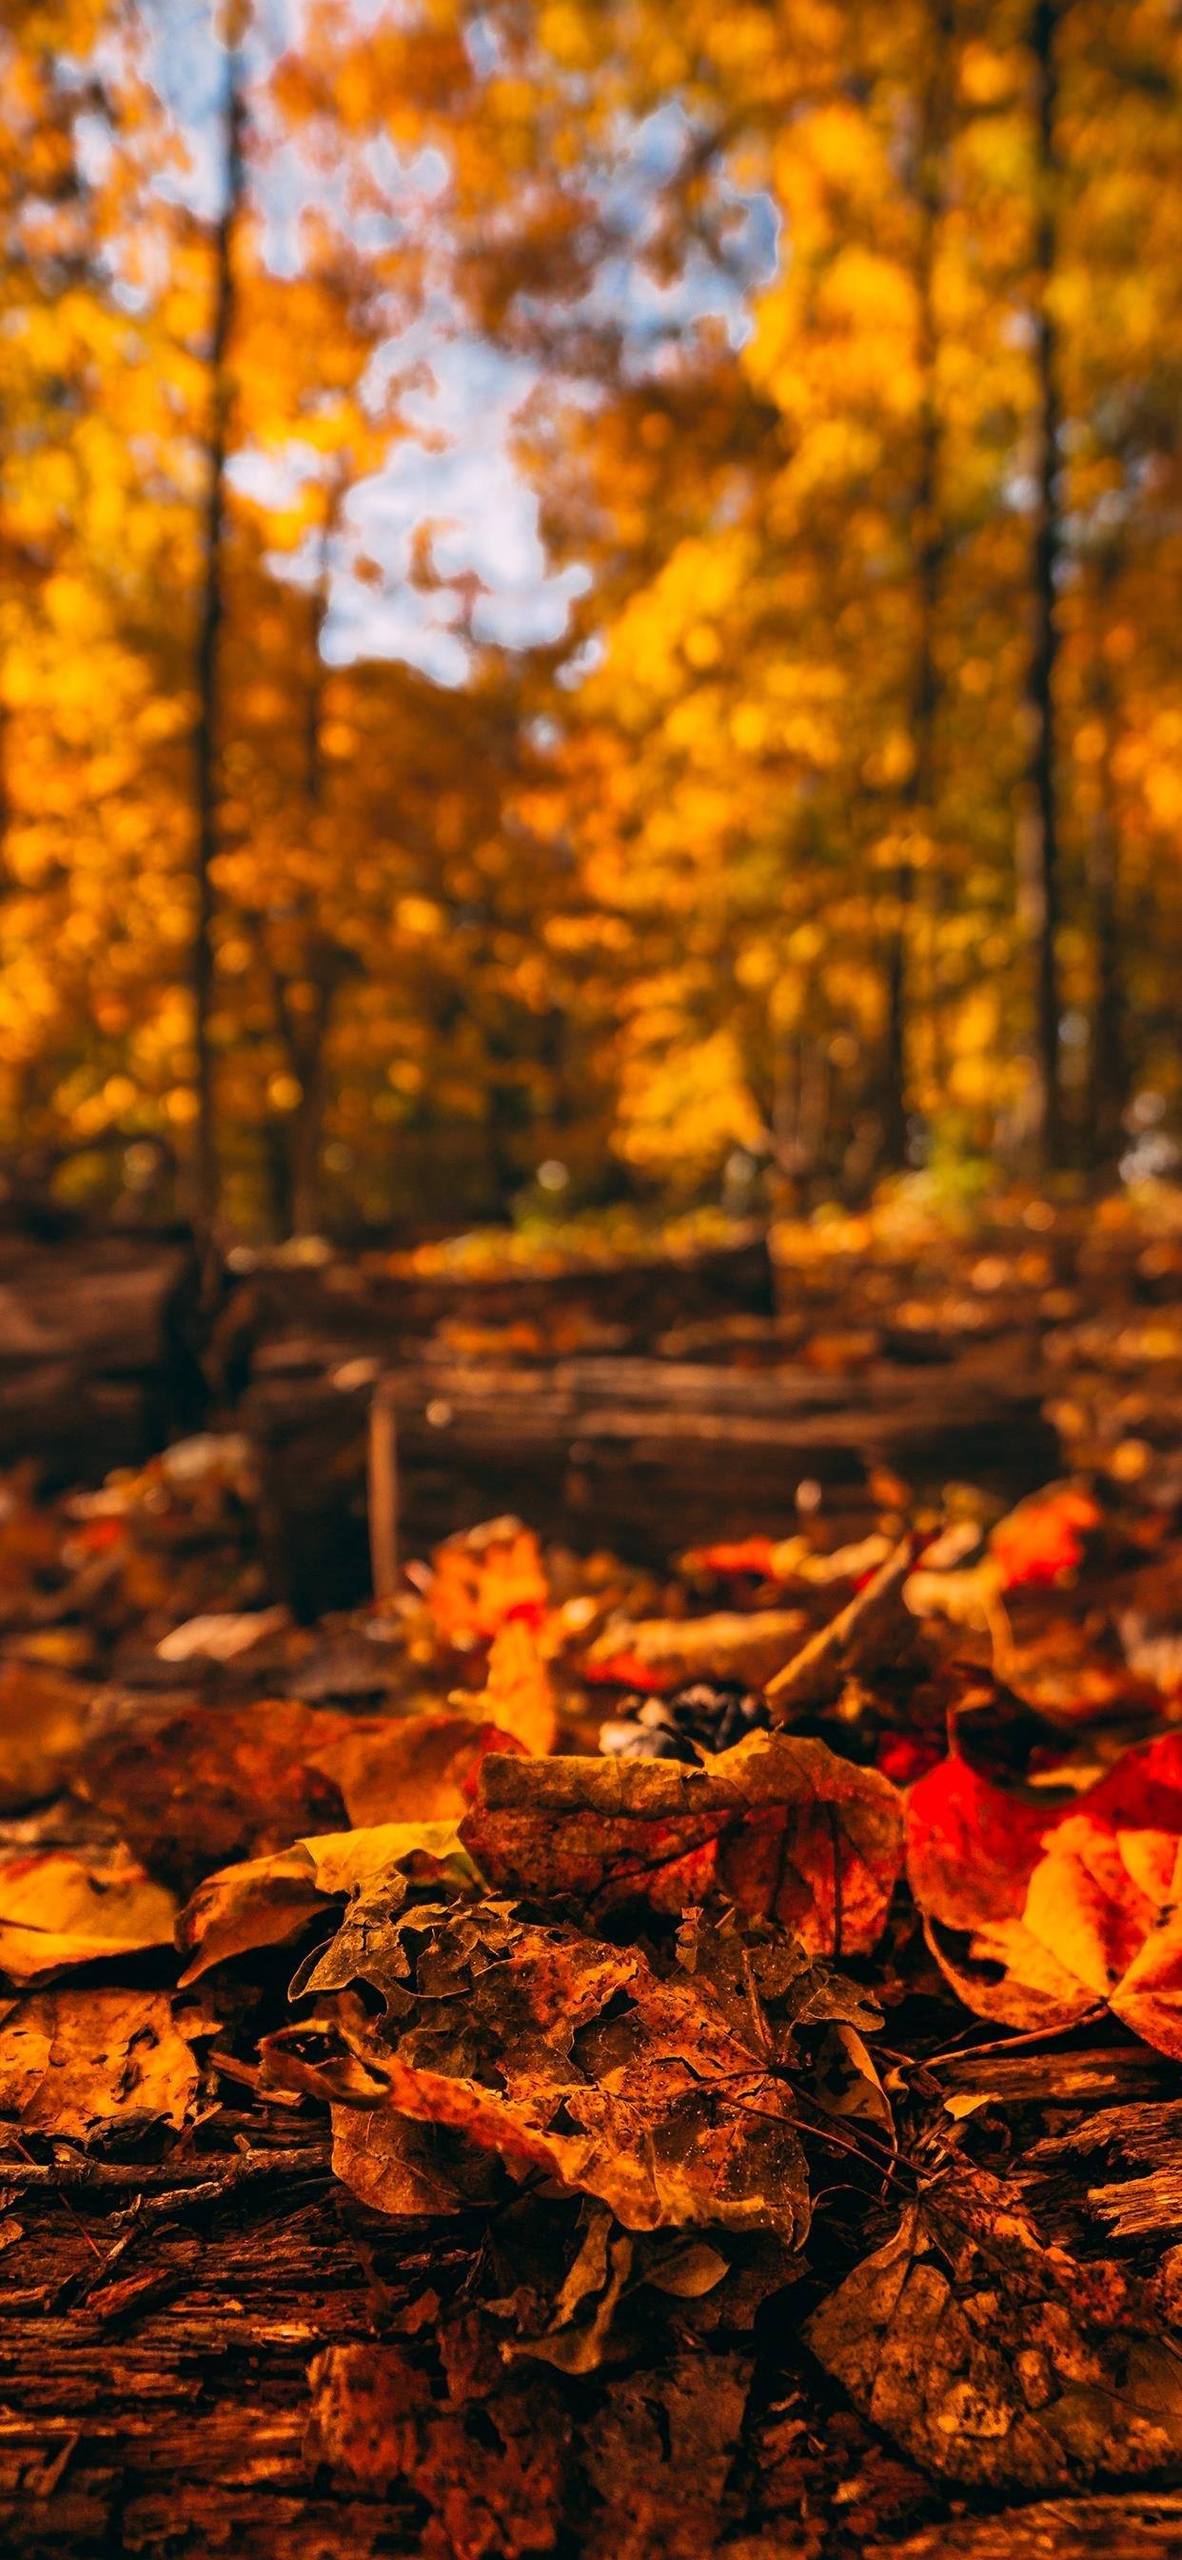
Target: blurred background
x=588 y=605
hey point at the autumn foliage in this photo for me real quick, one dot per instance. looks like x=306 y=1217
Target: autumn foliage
x=833 y=822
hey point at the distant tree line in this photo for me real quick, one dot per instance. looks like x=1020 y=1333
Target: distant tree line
x=838 y=834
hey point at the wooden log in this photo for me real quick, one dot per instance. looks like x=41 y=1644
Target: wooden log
x=362 y=1305
x=99 y=1351
x=645 y=1457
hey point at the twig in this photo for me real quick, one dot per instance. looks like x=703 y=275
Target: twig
x=812 y=1676
x=382 y=1490
x=120 y=2177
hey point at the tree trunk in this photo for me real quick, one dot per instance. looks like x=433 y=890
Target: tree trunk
x=927 y=558
x=207 y=738
x=1041 y=839
x=305 y=1035
x=307 y=1126
x=1108 y=1078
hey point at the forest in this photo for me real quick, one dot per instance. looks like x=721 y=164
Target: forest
x=590 y=1280
x=770 y=784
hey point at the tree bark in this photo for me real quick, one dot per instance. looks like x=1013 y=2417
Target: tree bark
x=1041 y=884
x=305 y=1033
x=927 y=560
x=207 y=738
x=1108 y=1078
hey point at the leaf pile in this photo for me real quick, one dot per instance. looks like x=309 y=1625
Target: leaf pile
x=640 y=2047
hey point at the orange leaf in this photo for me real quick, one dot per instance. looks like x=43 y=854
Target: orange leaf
x=741 y=1555
x=485 y=1577
x=518 y=1696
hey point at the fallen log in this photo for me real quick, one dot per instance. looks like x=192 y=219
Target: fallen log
x=644 y=1457
x=360 y=1305
x=99 y=1351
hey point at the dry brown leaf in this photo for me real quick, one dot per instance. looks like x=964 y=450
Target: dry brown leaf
x=216 y=1784
x=666 y=1652
x=412 y=1768
x=397 y=2167
x=667 y=2097
x=577 y=2332
x=75 y=2060
x=659 y=2458
x=997 y=2361
x=781 y=1825
x=209 y=1788
x=492 y=2472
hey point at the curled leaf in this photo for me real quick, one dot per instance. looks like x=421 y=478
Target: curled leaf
x=262 y=1902
x=666 y=2097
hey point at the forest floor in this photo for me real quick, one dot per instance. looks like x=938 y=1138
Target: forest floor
x=605 y=2060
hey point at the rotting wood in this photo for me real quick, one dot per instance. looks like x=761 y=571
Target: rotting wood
x=646 y=1457
x=100 y=1341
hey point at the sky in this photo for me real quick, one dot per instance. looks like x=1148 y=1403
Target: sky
x=462 y=475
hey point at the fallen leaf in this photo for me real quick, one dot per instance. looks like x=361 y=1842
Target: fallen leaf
x=492 y=2472
x=1043 y=1539
x=971 y=1844
x=74 y=2060
x=59 y=1908
x=577 y=2331
x=206 y=1786
x=42 y=1721
x=737 y=1555
x=666 y=1652
x=221 y=1635
x=398 y=2167
x=660 y=2456
x=414 y=1769
x=998 y=2361
x=780 y=1824
x=262 y=1902
x=1066 y=1908
x=518 y=1695
x=668 y=2097
x=483 y=1577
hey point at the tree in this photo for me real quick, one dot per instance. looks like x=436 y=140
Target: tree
x=207 y=733
x=1041 y=845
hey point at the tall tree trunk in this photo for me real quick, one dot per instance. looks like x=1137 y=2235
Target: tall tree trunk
x=927 y=563
x=207 y=736
x=306 y=1036
x=1108 y=1063
x=1041 y=833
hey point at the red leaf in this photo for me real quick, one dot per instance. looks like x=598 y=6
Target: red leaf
x=1034 y=1545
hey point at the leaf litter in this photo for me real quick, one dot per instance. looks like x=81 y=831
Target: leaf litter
x=703 y=1975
